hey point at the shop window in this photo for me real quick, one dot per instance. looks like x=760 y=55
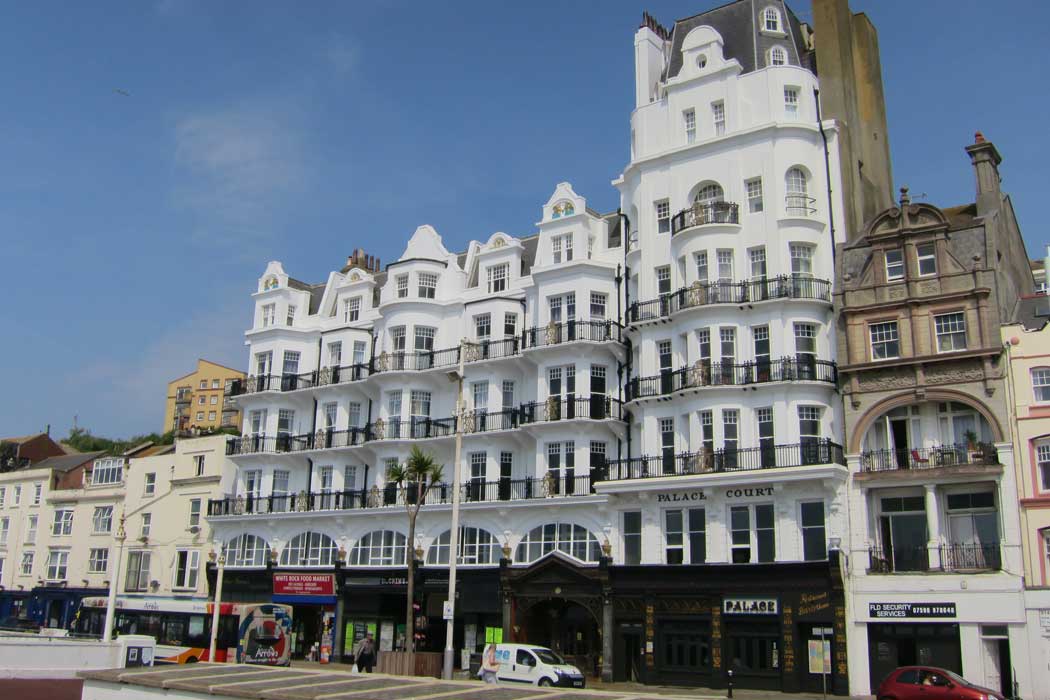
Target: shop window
x=309 y=549
x=685 y=645
x=379 y=548
x=567 y=538
x=475 y=546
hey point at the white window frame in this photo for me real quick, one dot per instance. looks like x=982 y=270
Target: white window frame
x=922 y=257
x=26 y=567
x=98 y=560
x=883 y=334
x=426 y=283
x=107 y=471
x=791 y=101
x=801 y=259
x=195 y=512
x=894 y=269
x=662 y=209
x=498 y=277
x=771 y=20
x=753 y=187
x=718 y=117
x=778 y=56
x=950 y=329
x=269 y=315
x=1041 y=384
x=62 y=524
x=188 y=580
x=290 y=317
x=102 y=520
x=57 y=565
x=401 y=285
x=689 y=122
x=352 y=309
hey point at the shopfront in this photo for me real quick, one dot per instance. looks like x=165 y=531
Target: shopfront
x=56 y=607
x=313 y=600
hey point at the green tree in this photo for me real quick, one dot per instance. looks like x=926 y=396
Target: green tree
x=414 y=478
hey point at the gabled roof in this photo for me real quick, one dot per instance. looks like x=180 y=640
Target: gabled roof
x=67 y=463
x=22 y=439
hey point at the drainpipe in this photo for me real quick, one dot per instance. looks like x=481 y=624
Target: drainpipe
x=625 y=239
x=827 y=174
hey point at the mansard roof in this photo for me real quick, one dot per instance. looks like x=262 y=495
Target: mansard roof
x=739 y=24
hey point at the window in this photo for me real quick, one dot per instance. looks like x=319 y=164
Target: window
x=18 y=495
x=725 y=265
x=424 y=340
x=718 y=117
x=754 y=195
x=247 y=550
x=663 y=216
x=213 y=400
x=507 y=391
x=200 y=415
x=198 y=465
x=253 y=483
x=56 y=565
x=353 y=414
x=280 y=482
x=351 y=309
x=262 y=363
x=5 y=525
x=359 y=352
x=752 y=533
x=31 y=530
x=1041 y=383
x=37 y=488
x=758 y=261
x=663 y=279
x=335 y=353
x=894 y=265
x=685 y=536
x=102 y=520
x=801 y=259
x=107 y=471
x=771 y=20
x=195 y=511
x=632 y=538
x=214 y=383
x=402 y=286
x=689 y=118
x=3 y=496
x=269 y=315
x=885 y=342
x=927 y=256
x=475 y=546
x=951 y=331
x=397 y=338
x=510 y=324
x=483 y=326
x=147 y=523
x=497 y=275
x=309 y=549
x=27 y=563
x=285 y=418
x=777 y=56
x=290 y=319
x=562 y=248
x=796 y=200
x=813 y=538
x=379 y=548
x=573 y=540
x=202 y=400
x=63 y=523
x=138 y=571
x=350 y=477
x=701 y=266
x=204 y=384
x=290 y=365
x=187 y=563
x=98 y=561
x=428 y=282
x=973 y=531
x=791 y=102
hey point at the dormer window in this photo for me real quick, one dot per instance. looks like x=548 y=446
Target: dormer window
x=777 y=56
x=561 y=247
x=497 y=275
x=427 y=285
x=563 y=209
x=771 y=19
x=290 y=319
x=402 y=286
x=269 y=315
x=351 y=309
x=701 y=62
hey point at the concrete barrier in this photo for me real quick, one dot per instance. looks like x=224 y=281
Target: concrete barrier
x=36 y=656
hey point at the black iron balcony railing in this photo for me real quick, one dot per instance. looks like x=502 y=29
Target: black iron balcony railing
x=228 y=405
x=982 y=453
x=971 y=557
x=706 y=461
x=701 y=214
x=554 y=484
x=889 y=560
x=572 y=331
x=727 y=292
x=707 y=374
x=799 y=204
x=596 y=407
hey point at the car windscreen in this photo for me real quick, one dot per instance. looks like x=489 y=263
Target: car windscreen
x=956 y=678
x=547 y=656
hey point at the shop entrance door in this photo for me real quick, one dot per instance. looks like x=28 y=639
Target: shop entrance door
x=569 y=629
x=996 y=652
x=306 y=624
x=628 y=664
x=753 y=651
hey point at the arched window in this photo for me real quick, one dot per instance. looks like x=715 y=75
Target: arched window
x=771 y=19
x=309 y=549
x=574 y=540
x=476 y=546
x=709 y=194
x=379 y=548
x=246 y=550
x=778 y=56
x=797 y=199
x=1041 y=383
x=796 y=181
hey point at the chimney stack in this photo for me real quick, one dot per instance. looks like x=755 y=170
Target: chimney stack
x=362 y=260
x=986 y=159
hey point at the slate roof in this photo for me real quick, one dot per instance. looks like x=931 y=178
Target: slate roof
x=67 y=463
x=1033 y=312
x=961 y=216
x=21 y=439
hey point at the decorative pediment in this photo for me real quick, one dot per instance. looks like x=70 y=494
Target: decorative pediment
x=909 y=217
x=556 y=569
x=425 y=244
x=563 y=203
x=273 y=278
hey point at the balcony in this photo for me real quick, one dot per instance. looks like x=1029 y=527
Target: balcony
x=228 y=405
x=799 y=204
x=704 y=373
x=703 y=214
x=531 y=488
x=596 y=407
x=572 y=331
x=711 y=461
x=954 y=558
x=183 y=395
x=726 y=292
x=891 y=460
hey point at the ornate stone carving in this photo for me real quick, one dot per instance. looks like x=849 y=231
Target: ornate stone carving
x=324 y=377
x=379 y=429
x=697 y=295
x=302 y=501
x=890 y=378
x=699 y=374
x=552 y=333
x=472 y=352
x=929 y=287
x=550 y=408
x=238 y=506
x=375 y=499
x=382 y=362
x=897 y=292
x=320 y=439
x=953 y=374
x=548 y=486
x=251 y=385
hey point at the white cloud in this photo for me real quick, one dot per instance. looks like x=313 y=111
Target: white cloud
x=236 y=168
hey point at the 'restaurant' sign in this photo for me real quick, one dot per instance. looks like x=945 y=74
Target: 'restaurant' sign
x=910 y=610
x=750 y=606
x=304 y=584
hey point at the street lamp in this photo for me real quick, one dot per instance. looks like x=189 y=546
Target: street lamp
x=221 y=564
x=111 y=600
x=453 y=538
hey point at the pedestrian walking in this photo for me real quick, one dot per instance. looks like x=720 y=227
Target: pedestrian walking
x=365 y=654
x=489 y=665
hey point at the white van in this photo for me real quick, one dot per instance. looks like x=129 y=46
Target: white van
x=528 y=663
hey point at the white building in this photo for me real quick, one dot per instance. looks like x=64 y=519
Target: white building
x=653 y=478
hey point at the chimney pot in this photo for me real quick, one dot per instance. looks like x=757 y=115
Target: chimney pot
x=978 y=137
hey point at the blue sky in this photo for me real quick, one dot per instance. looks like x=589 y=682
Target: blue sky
x=134 y=226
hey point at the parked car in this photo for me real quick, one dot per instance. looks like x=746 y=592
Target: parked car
x=535 y=665
x=931 y=683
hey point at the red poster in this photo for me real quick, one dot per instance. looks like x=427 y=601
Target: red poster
x=304 y=584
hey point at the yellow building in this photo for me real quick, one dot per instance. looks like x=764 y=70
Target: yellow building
x=201 y=399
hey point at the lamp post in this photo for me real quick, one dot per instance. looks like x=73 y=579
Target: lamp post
x=221 y=564
x=111 y=600
x=453 y=538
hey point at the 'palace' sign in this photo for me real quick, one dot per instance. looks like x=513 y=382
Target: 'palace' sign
x=680 y=497
x=750 y=606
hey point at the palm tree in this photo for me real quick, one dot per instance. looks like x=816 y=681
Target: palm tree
x=415 y=477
